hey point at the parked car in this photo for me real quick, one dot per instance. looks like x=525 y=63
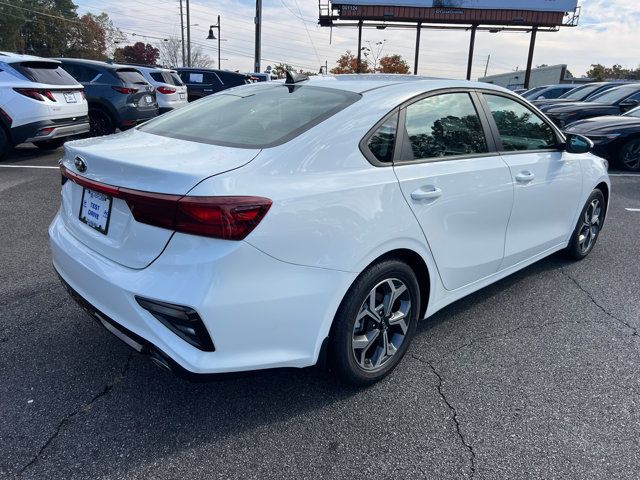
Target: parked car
x=616 y=137
x=39 y=103
x=616 y=101
x=520 y=91
x=118 y=95
x=258 y=229
x=580 y=94
x=204 y=81
x=259 y=77
x=548 y=91
x=171 y=92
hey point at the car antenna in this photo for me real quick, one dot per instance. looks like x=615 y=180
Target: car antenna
x=293 y=78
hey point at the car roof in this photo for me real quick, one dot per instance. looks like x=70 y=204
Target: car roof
x=362 y=83
x=152 y=69
x=97 y=63
x=9 y=57
x=196 y=69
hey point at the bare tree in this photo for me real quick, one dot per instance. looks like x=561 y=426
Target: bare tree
x=171 y=54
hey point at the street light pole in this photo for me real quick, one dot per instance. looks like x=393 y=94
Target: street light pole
x=258 y=20
x=188 y=37
x=182 y=32
x=213 y=37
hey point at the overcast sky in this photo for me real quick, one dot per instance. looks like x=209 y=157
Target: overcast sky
x=609 y=33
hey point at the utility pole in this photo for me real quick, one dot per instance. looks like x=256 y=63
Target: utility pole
x=258 y=21
x=182 y=32
x=188 y=36
x=486 y=68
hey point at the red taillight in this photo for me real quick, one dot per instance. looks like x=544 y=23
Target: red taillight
x=125 y=90
x=166 y=90
x=227 y=218
x=36 y=93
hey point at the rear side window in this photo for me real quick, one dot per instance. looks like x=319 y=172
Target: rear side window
x=520 y=128
x=381 y=143
x=45 y=72
x=130 y=76
x=258 y=117
x=444 y=125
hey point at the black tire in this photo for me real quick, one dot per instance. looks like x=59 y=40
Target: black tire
x=586 y=233
x=50 y=144
x=353 y=326
x=100 y=123
x=629 y=158
x=5 y=144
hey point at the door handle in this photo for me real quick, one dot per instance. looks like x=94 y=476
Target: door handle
x=427 y=193
x=525 y=177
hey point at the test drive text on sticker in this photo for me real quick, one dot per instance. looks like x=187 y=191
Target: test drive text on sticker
x=95 y=209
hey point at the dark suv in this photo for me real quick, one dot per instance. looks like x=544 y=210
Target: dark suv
x=118 y=95
x=201 y=82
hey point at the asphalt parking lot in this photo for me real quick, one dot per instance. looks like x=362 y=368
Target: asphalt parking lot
x=537 y=376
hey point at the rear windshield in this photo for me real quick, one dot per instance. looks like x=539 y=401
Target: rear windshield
x=253 y=117
x=130 y=76
x=171 y=78
x=45 y=72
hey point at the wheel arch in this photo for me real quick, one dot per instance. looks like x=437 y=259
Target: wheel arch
x=604 y=188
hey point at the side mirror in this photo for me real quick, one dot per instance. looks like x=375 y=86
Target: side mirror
x=628 y=105
x=578 y=144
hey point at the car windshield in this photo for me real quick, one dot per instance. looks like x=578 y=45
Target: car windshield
x=259 y=116
x=530 y=93
x=580 y=93
x=633 y=113
x=45 y=72
x=615 y=94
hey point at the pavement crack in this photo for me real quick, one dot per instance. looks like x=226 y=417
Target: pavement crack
x=454 y=416
x=82 y=409
x=634 y=330
x=534 y=326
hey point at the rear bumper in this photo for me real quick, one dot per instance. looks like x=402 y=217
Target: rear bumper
x=50 y=129
x=130 y=116
x=254 y=321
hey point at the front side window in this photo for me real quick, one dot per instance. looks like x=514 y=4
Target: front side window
x=256 y=117
x=381 y=143
x=444 y=125
x=520 y=128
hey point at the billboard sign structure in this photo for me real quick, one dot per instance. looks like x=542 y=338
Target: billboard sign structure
x=531 y=5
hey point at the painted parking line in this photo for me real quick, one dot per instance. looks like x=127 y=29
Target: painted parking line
x=28 y=166
x=624 y=175
x=632 y=209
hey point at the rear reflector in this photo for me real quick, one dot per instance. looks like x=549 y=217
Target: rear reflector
x=227 y=218
x=183 y=321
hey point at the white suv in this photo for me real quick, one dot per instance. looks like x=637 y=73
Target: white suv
x=171 y=93
x=39 y=103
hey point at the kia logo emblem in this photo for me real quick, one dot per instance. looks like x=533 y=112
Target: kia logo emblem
x=80 y=165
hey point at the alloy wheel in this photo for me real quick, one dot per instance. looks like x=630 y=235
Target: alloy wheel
x=382 y=324
x=590 y=228
x=631 y=156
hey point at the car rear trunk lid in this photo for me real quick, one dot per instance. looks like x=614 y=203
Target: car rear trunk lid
x=143 y=162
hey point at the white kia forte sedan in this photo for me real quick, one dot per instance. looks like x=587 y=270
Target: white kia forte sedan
x=274 y=224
